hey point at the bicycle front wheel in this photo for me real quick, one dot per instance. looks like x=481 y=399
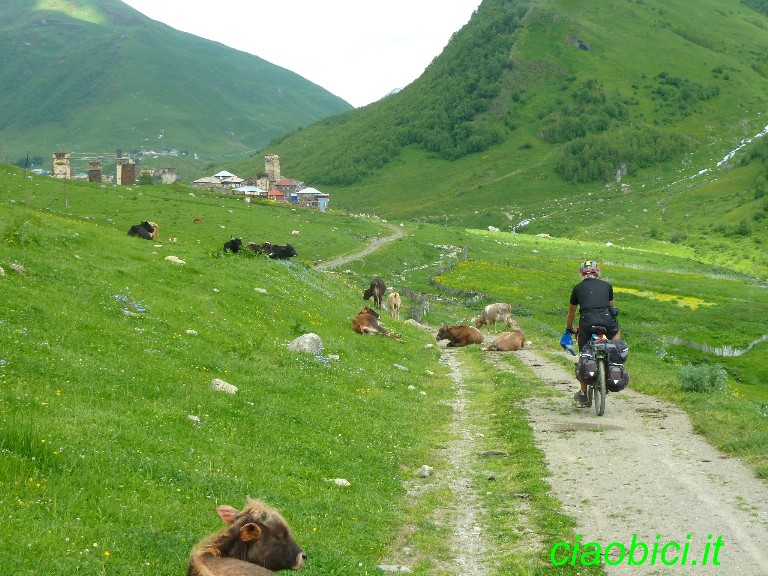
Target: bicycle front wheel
x=600 y=389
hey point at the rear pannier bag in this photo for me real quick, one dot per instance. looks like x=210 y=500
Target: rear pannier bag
x=618 y=378
x=617 y=352
x=586 y=369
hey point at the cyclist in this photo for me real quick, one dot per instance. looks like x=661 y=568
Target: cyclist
x=594 y=298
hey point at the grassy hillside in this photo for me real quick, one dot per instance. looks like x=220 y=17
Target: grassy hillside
x=116 y=450
x=608 y=119
x=94 y=76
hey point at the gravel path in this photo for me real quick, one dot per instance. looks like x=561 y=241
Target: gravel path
x=372 y=247
x=641 y=470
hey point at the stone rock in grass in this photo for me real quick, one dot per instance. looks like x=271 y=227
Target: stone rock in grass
x=220 y=386
x=307 y=343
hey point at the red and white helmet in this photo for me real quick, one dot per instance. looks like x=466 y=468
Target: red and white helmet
x=589 y=267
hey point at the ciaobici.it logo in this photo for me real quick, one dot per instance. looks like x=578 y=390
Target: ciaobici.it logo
x=638 y=552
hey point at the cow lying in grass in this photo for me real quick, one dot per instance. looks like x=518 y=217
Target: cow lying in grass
x=367 y=322
x=144 y=230
x=256 y=542
x=508 y=342
x=459 y=335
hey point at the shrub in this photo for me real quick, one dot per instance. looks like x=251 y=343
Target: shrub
x=702 y=378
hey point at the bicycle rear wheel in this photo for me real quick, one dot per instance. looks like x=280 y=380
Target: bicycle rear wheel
x=600 y=389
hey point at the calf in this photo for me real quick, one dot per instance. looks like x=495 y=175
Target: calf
x=494 y=313
x=256 y=542
x=459 y=335
x=263 y=248
x=394 y=302
x=367 y=322
x=234 y=245
x=143 y=230
x=376 y=289
x=155 y=229
x=282 y=252
x=508 y=342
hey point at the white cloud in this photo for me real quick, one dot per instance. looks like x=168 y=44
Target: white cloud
x=359 y=50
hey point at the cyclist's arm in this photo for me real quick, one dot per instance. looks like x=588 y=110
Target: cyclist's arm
x=571 y=316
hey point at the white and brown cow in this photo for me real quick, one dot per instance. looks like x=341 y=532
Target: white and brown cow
x=394 y=303
x=493 y=314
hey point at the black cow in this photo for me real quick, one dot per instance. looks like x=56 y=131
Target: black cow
x=282 y=252
x=143 y=230
x=234 y=245
x=376 y=289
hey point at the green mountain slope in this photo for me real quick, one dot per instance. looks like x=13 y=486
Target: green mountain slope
x=538 y=104
x=96 y=75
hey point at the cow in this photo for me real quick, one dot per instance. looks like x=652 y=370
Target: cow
x=263 y=248
x=155 y=229
x=459 y=335
x=394 y=302
x=143 y=230
x=278 y=252
x=367 y=322
x=234 y=245
x=376 y=289
x=295 y=232
x=508 y=342
x=494 y=313
x=198 y=219
x=256 y=542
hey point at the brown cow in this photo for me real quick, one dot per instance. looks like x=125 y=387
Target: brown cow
x=394 y=303
x=508 y=342
x=460 y=335
x=256 y=542
x=367 y=322
x=156 y=231
x=376 y=289
x=263 y=248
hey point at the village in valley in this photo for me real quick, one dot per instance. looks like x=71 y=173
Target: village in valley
x=269 y=184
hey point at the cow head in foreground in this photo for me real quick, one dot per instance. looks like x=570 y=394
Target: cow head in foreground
x=459 y=335
x=256 y=537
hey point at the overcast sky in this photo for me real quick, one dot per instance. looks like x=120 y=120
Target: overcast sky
x=358 y=50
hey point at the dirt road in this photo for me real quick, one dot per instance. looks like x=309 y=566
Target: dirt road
x=641 y=471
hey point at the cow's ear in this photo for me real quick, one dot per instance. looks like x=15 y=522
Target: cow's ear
x=250 y=532
x=228 y=514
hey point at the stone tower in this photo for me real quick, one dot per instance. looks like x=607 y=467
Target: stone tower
x=61 y=167
x=272 y=167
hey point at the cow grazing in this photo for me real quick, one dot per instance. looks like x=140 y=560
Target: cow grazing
x=376 y=289
x=155 y=229
x=198 y=219
x=234 y=245
x=143 y=230
x=508 y=342
x=278 y=252
x=394 y=302
x=295 y=232
x=459 y=335
x=256 y=542
x=493 y=314
x=367 y=322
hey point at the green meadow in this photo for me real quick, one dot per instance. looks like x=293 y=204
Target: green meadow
x=116 y=450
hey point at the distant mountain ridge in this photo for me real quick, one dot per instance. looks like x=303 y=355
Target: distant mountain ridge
x=97 y=75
